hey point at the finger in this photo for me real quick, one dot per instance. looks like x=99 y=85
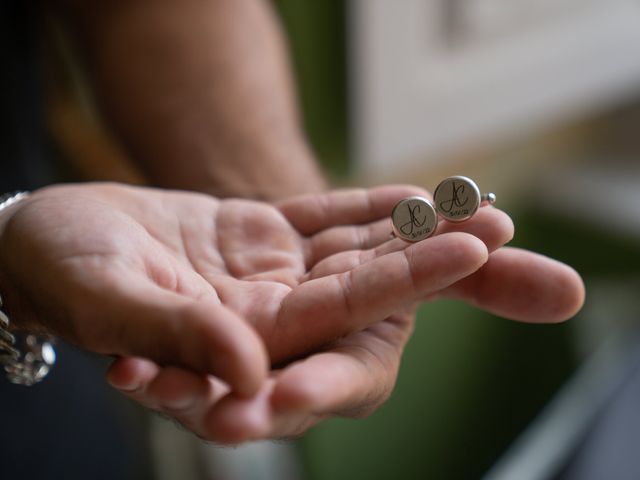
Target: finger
x=147 y=321
x=194 y=401
x=342 y=238
x=522 y=285
x=329 y=307
x=131 y=376
x=351 y=379
x=492 y=226
x=310 y=214
x=235 y=420
x=183 y=395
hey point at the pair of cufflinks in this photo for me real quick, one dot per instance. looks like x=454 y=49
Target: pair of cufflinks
x=456 y=199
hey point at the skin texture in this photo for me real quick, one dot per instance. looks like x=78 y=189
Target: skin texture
x=199 y=92
x=245 y=320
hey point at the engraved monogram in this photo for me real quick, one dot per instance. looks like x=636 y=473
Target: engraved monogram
x=414 y=223
x=455 y=200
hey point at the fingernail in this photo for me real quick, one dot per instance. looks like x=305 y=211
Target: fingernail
x=183 y=403
x=126 y=387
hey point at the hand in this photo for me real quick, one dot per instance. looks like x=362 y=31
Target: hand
x=186 y=280
x=355 y=374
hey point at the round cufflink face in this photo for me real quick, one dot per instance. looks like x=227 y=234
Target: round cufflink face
x=414 y=219
x=457 y=198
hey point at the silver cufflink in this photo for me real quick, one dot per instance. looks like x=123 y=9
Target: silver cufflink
x=456 y=199
x=414 y=219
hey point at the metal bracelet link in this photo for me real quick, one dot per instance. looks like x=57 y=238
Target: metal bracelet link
x=31 y=364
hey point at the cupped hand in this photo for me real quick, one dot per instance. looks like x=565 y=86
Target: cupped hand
x=189 y=281
x=347 y=234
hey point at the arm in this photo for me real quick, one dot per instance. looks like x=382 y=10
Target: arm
x=200 y=93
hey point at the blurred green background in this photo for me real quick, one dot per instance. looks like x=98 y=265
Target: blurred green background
x=317 y=42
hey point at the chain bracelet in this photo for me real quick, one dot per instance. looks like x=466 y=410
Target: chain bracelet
x=33 y=362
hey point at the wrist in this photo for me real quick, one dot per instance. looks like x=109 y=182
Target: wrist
x=265 y=175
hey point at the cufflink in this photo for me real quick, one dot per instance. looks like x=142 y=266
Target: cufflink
x=458 y=198
x=414 y=219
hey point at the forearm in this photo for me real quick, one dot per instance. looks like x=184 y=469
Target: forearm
x=200 y=94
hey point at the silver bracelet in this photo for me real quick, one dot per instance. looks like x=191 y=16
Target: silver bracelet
x=34 y=362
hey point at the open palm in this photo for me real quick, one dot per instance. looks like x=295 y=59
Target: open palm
x=228 y=288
